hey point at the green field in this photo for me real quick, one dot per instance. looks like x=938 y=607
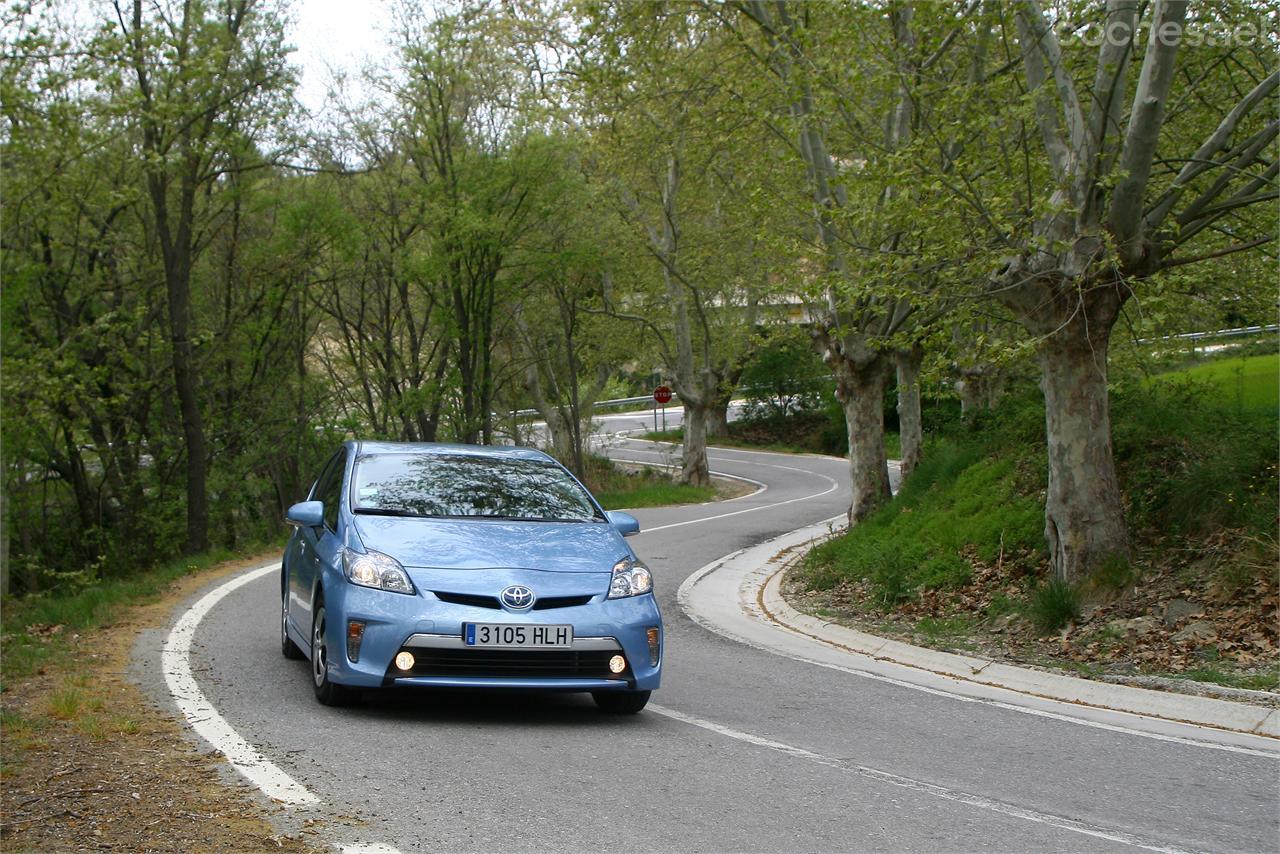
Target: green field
x=1252 y=382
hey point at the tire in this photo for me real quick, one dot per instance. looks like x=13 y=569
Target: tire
x=327 y=692
x=288 y=648
x=621 y=702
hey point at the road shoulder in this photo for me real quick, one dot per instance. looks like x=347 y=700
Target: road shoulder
x=740 y=597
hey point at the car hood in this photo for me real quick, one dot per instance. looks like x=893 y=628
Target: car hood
x=485 y=544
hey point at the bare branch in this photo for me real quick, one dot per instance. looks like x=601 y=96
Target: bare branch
x=1108 y=84
x=1046 y=42
x=1243 y=161
x=1229 y=250
x=946 y=43
x=1033 y=66
x=1203 y=160
x=1145 y=120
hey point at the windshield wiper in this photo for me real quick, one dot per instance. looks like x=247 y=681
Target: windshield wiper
x=529 y=518
x=387 y=511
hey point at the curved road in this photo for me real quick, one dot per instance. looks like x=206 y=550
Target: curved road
x=741 y=750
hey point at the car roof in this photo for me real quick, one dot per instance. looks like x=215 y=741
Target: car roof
x=363 y=447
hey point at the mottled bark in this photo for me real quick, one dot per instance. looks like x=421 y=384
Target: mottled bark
x=718 y=415
x=695 y=471
x=979 y=388
x=861 y=393
x=1084 y=518
x=860 y=388
x=910 y=423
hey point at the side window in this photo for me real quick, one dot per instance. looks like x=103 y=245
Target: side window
x=331 y=490
x=318 y=488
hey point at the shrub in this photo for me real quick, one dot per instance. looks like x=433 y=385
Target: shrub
x=1053 y=605
x=890 y=576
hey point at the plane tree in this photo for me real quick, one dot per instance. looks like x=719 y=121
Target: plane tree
x=676 y=151
x=1132 y=157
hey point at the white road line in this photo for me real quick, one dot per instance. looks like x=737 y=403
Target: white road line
x=368 y=848
x=204 y=718
x=920 y=786
x=834 y=486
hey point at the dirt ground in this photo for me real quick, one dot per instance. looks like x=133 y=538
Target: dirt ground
x=87 y=763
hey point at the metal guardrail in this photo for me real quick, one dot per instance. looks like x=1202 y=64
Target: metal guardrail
x=1221 y=333
x=599 y=404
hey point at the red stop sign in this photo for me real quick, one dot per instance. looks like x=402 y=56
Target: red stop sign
x=662 y=394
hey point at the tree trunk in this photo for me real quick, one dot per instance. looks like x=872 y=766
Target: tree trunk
x=695 y=472
x=718 y=415
x=860 y=389
x=969 y=387
x=910 y=426
x=4 y=542
x=1084 y=517
x=178 y=277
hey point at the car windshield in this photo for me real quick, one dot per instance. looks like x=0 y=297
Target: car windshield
x=442 y=485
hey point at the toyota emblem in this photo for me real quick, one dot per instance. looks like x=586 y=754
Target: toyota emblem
x=517 y=597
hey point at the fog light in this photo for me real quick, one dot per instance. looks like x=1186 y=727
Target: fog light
x=404 y=660
x=355 y=634
x=654 y=645
x=617 y=664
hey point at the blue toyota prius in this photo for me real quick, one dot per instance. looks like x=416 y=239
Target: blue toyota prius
x=467 y=567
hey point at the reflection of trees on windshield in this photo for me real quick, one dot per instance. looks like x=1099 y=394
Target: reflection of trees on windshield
x=432 y=485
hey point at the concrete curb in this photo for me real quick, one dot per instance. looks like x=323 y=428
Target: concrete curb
x=740 y=597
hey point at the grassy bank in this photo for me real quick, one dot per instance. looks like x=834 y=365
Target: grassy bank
x=958 y=560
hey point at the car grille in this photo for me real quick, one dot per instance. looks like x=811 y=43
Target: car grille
x=541 y=663
x=543 y=604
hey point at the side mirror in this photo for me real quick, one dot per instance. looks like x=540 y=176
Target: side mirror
x=624 y=522
x=306 y=514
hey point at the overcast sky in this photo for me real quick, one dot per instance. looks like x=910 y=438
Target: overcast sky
x=335 y=34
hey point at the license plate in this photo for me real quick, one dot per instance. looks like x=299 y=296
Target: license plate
x=509 y=635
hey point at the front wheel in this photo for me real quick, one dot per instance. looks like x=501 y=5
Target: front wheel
x=621 y=702
x=327 y=692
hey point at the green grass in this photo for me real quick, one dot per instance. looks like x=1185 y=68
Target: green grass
x=1249 y=383
x=30 y=639
x=944 y=628
x=1252 y=681
x=958 y=497
x=1054 y=605
x=659 y=495
x=618 y=488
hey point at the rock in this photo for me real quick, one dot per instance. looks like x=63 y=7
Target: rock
x=1003 y=622
x=1180 y=609
x=1199 y=633
x=1136 y=626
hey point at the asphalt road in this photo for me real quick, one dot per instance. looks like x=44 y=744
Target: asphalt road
x=741 y=750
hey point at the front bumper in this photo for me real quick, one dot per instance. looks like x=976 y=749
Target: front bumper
x=432 y=630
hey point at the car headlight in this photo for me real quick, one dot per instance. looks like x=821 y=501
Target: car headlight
x=374 y=569
x=630 y=578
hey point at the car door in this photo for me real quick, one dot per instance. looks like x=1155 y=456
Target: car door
x=318 y=545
